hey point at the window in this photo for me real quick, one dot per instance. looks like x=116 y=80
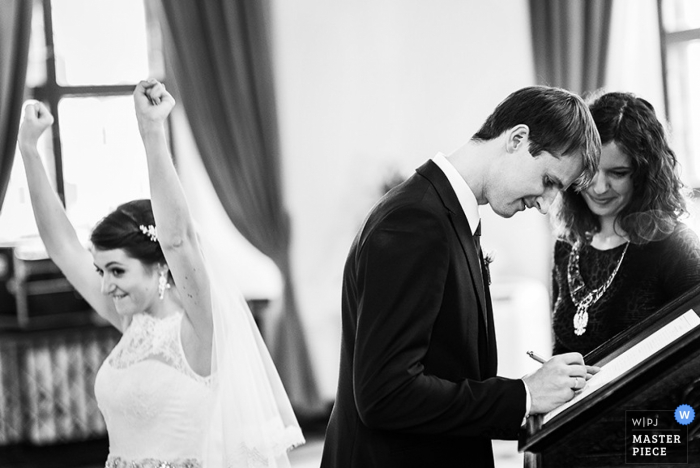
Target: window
x=94 y=155
x=680 y=33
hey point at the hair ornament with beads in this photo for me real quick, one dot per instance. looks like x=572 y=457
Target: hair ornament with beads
x=149 y=231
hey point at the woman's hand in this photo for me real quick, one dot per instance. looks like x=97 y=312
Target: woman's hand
x=37 y=119
x=153 y=104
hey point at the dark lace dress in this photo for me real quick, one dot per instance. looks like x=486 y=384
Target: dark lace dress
x=650 y=275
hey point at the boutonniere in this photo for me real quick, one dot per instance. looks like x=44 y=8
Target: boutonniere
x=488 y=260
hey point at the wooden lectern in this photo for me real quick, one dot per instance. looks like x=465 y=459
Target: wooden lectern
x=596 y=431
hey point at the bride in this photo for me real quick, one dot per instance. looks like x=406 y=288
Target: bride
x=190 y=383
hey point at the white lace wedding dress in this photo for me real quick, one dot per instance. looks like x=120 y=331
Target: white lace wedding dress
x=154 y=405
x=161 y=414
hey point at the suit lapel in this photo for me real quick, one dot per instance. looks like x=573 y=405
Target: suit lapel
x=461 y=226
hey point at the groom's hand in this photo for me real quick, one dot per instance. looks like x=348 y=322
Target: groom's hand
x=556 y=381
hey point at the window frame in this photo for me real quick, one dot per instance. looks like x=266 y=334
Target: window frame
x=51 y=93
x=670 y=39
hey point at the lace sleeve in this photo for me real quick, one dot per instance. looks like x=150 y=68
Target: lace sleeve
x=681 y=261
x=558 y=264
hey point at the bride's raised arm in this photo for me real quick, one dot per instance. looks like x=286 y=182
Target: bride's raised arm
x=174 y=226
x=56 y=231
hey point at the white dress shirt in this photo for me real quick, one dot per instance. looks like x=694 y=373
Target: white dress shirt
x=464 y=194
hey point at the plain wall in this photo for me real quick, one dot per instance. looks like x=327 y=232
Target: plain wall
x=370 y=88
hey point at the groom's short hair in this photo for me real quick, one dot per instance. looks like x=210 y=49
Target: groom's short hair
x=559 y=122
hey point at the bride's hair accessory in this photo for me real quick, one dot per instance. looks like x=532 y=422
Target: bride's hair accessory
x=149 y=231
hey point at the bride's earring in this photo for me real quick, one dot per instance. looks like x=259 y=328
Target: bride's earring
x=162 y=284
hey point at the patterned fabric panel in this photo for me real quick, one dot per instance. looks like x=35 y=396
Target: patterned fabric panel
x=47 y=380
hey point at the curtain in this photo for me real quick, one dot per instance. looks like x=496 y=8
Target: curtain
x=570 y=40
x=220 y=54
x=15 y=29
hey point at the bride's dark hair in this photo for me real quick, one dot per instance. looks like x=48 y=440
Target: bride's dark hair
x=121 y=229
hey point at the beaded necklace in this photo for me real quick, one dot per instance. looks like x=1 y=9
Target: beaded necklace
x=582 y=297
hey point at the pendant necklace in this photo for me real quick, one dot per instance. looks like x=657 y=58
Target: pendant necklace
x=582 y=297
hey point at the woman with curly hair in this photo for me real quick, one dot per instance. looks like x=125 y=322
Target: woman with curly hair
x=622 y=251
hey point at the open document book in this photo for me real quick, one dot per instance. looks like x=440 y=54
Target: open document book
x=625 y=362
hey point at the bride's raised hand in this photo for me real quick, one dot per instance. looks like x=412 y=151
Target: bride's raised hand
x=153 y=103
x=37 y=119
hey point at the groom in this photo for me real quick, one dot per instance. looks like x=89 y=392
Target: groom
x=417 y=384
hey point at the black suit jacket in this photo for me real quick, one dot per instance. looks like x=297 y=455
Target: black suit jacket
x=417 y=384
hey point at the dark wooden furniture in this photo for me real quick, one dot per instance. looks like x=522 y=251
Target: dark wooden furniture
x=34 y=294
x=593 y=432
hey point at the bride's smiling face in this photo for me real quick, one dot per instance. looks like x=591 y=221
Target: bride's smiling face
x=132 y=285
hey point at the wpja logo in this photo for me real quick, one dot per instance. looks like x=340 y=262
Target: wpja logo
x=653 y=437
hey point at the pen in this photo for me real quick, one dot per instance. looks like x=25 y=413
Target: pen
x=536 y=357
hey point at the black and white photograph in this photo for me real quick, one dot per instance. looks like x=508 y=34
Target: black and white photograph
x=349 y=233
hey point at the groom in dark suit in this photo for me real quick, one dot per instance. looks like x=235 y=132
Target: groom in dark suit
x=418 y=384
